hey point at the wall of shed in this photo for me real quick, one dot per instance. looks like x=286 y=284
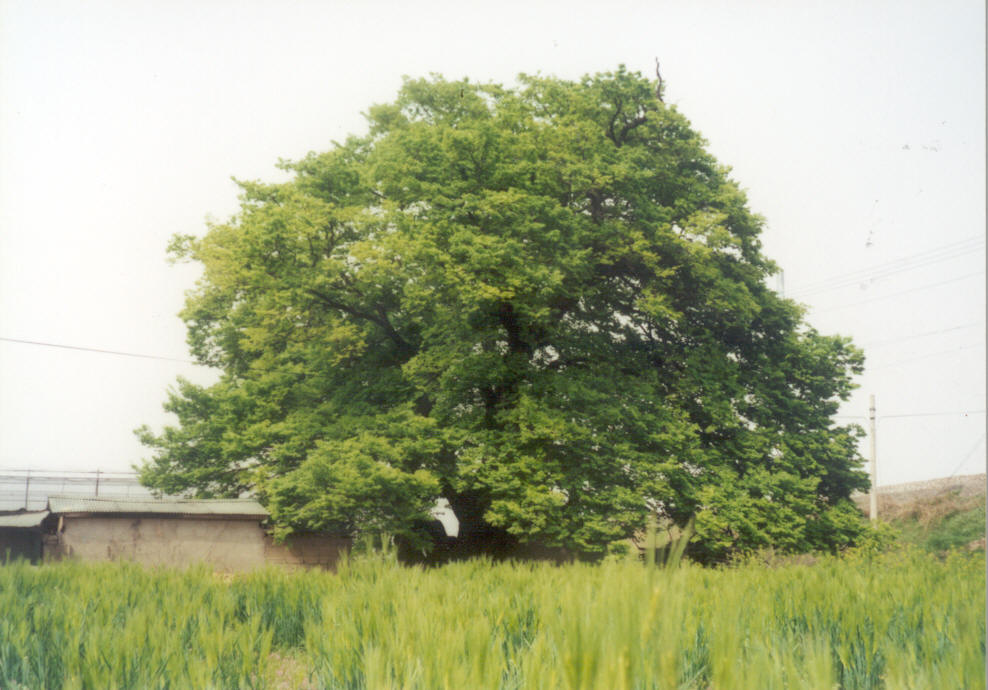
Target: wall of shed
x=229 y=545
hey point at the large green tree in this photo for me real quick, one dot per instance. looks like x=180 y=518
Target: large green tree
x=547 y=304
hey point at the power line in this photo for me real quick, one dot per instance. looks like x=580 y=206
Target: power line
x=35 y=471
x=932 y=414
x=914 y=414
x=921 y=260
x=968 y=456
x=871 y=278
x=926 y=356
x=874 y=272
x=878 y=275
x=913 y=336
x=901 y=292
x=93 y=349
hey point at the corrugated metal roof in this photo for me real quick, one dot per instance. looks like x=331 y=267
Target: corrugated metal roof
x=32 y=519
x=160 y=506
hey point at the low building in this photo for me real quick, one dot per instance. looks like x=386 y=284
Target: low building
x=226 y=534
x=21 y=535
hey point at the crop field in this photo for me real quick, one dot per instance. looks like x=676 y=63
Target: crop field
x=904 y=619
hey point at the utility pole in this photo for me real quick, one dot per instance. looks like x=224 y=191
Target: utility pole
x=873 y=513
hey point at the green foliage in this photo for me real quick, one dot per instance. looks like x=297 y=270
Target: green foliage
x=355 y=485
x=547 y=304
x=942 y=522
x=878 y=537
x=893 y=620
x=958 y=530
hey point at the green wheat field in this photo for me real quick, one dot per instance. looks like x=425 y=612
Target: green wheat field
x=904 y=619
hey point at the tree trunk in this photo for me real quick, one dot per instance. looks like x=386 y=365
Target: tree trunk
x=476 y=536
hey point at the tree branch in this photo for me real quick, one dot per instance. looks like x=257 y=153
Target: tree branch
x=633 y=124
x=509 y=320
x=658 y=86
x=379 y=318
x=610 y=125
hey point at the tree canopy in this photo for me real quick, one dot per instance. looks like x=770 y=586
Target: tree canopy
x=546 y=303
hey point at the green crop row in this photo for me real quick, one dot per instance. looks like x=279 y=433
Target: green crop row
x=896 y=620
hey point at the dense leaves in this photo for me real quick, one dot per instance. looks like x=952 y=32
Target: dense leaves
x=547 y=304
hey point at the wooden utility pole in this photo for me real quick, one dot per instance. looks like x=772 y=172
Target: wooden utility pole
x=873 y=512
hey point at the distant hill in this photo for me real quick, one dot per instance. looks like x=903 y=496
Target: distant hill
x=937 y=514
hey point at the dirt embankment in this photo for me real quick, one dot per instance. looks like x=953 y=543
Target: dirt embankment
x=918 y=499
x=927 y=509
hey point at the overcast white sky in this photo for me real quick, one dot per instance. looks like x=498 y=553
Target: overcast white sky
x=858 y=130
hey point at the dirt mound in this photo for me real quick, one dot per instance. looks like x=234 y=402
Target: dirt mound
x=966 y=485
x=937 y=515
x=929 y=500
